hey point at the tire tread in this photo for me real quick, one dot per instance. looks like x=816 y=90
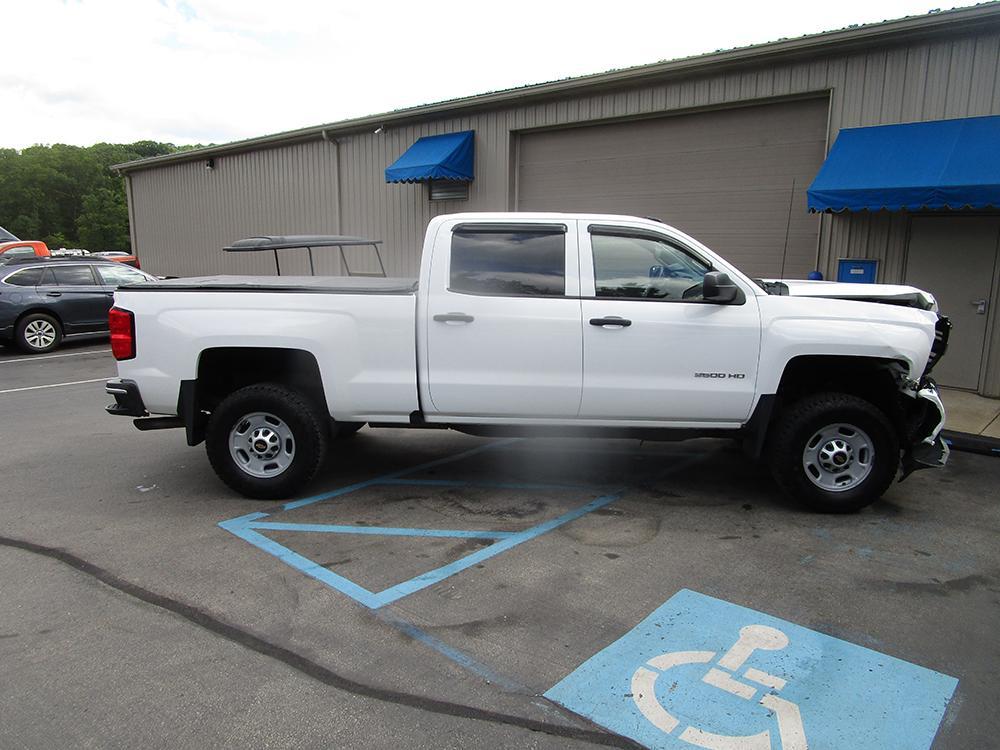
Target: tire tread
x=263 y=397
x=785 y=458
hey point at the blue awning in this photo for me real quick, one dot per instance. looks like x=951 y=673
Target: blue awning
x=951 y=164
x=436 y=157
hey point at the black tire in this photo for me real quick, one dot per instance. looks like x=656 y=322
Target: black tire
x=346 y=429
x=814 y=418
x=38 y=333
x=299 y=420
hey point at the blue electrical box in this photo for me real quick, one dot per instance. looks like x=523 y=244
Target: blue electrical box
x=857 y=270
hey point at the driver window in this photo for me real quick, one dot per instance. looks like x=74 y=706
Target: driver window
x=645 y=268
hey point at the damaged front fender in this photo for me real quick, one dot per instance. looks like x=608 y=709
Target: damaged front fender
x=927 y=449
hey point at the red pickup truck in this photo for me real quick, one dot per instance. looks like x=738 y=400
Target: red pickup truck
x=19 y=248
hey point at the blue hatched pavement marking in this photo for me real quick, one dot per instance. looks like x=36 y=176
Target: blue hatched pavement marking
x=250 y=526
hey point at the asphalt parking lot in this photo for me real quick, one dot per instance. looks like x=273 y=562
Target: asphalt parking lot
x=438 y=590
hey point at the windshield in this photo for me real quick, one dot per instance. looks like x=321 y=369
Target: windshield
x=6 y=236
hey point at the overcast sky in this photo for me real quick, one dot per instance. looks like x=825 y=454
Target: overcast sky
x=210 y=71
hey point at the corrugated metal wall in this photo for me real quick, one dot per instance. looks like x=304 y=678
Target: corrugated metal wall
x=185 y=214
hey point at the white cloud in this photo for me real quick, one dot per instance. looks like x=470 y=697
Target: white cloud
x=211 y=70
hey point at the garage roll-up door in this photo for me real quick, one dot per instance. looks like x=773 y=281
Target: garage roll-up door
x=723 y=176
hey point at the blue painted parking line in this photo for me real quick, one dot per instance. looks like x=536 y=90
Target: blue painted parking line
x=377 y=530
x=702 y=672
x=456 y=655
x=396 y=474
x=250 y=528
x=431 y=577
x=301 y=563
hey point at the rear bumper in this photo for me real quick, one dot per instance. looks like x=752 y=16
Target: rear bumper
x=128 y=401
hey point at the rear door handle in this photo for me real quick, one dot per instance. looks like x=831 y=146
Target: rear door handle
x=453 y=318
x=53 y=294
x=614 y=321
x=980 y=306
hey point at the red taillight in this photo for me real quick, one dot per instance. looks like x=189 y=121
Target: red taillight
x=122 y=325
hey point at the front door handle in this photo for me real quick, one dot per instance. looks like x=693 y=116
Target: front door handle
x=453 y=318
x=612 y=322
x=53 y=294
x=980 y=306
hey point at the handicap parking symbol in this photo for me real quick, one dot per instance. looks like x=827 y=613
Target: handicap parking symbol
x=703 y=673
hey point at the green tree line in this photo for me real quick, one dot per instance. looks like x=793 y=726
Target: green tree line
x=67 y=196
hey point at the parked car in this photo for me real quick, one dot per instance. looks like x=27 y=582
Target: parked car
x=21 y=249
x=44 y=300
x=559 y=324
x=6 y=236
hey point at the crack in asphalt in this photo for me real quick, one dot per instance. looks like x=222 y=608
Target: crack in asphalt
x=306 y=666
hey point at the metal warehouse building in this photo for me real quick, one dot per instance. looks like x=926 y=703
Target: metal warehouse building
x=728 y=147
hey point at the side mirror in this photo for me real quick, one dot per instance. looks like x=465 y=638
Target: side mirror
x=719 y=288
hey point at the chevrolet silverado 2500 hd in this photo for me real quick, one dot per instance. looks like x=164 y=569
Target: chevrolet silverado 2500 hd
x=541 y=324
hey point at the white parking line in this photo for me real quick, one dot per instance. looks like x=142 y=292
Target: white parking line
x=52 y=356
x=56 y=385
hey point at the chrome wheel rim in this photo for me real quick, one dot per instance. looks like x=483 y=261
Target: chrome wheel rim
x=40 y=334
x=261 y=444
x=838 y=457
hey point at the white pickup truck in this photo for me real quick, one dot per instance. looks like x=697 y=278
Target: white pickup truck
x=540 y=324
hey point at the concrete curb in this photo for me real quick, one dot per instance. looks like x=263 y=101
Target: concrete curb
x=964 y=441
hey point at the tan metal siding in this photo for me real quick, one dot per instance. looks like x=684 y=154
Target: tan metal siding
x=725 y=177
x=185 y=214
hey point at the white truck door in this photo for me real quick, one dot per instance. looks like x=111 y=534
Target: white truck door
x=503 y=326
x=653 y=349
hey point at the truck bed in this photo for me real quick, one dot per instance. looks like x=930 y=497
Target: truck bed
x=315 y=284
x=359 y=330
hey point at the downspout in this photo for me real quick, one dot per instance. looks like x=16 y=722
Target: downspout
x=130 y=203
x=326 y=137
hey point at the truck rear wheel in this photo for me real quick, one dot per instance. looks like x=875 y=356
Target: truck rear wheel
x=265 y=441
x=833 y=452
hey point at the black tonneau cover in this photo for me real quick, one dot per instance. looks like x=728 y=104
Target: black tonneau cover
x=307 y=284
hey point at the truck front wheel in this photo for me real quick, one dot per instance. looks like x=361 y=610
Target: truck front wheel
x=834 y=452
x=265 y=441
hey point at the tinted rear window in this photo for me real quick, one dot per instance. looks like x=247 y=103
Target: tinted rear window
x=73 y=275
x=509 y=263
x=25 y=277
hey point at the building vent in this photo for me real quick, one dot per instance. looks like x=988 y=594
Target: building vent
x=449 y=190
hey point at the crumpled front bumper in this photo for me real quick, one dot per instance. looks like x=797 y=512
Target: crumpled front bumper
x=928 y=450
